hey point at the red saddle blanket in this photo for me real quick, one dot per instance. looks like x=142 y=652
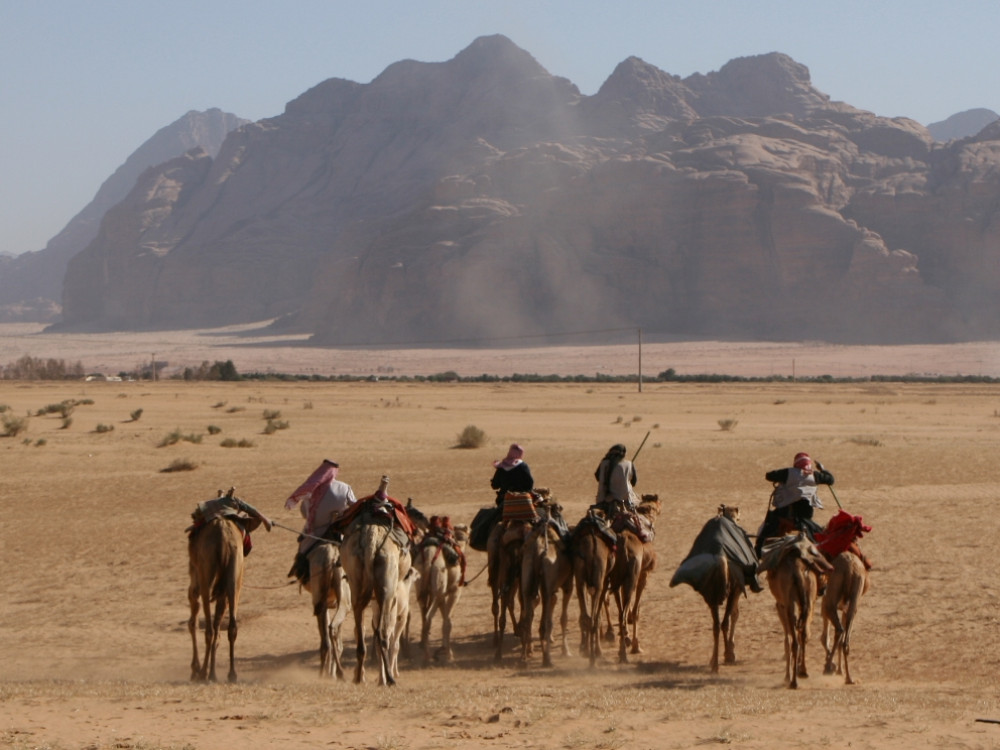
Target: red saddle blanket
x=841 y=531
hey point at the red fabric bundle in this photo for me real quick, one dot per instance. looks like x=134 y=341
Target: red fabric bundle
x=840 y=533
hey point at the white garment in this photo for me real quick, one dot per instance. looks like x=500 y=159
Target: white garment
x=338 y=497
x=620 y=484
x=799 y=485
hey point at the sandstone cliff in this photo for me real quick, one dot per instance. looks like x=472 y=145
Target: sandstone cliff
x=31 y=283
x=483 y=198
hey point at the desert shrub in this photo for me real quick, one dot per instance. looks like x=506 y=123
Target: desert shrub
x=102 y=428
x=214 y=429
x=40 y=442
x=273 y=425
x=219 y=405
x=13 y=426
x=307 y=405
x=234 y=443
x=728 y=425
x=135 y=415
x=66 y=422
x=5 y=407
x=172 y=438
x=871 y=442
x=180 y=464
x=63 y=409
x=471 y=437
x=271 y=414
x=234 y=409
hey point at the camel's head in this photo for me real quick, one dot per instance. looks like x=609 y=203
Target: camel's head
x=732 y=512
x=650 y=506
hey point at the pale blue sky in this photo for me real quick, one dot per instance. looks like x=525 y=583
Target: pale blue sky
x=84 y=82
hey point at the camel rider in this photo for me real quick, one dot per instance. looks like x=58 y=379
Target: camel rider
x=794 y=498
x=322 y=499
x=512 y=474
x=229 y=506
x=616 y=477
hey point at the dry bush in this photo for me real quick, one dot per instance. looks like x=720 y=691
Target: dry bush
x=728 y=425
x=180 y=464
x=471 y=437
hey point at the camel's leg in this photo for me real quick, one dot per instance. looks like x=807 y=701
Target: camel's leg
x=359 y=636
x=609 y=630
x=831 y=622
x=194 y=601
x=427 y=609
x=584 y=621
x=529 y=592
x=623 y=598
x=564 y=619
x=713 y=664
x=220 y=610
x=788 y=628
x=448 y=607
x=548 y=594
x=640 y=587
x=325 y=639
x=729 y=625
x=845 y=646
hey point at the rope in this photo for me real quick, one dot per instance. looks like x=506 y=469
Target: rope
x=477 y=574
x=307 y=536
x=270 y=588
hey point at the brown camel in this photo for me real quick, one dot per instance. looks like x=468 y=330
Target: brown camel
x=635 y=560
x=215 y=554
x=503 y=554
x=721 y=581
x=442 y=572
x=593 y=558
x=375 y=559
x=331 y=600
x=546 y=569
x=846 y=584
x=793 y=564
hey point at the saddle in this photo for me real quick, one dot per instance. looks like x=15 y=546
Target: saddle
x=638 y=524
x=595 y=519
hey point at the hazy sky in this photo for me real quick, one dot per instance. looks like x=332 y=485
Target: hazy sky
x=83 y=83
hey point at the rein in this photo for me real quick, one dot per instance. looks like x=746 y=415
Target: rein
x=466 y=583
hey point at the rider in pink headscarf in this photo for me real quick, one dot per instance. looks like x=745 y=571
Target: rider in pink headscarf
x=512 y=474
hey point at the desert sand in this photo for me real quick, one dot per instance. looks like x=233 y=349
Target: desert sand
x=93 y=623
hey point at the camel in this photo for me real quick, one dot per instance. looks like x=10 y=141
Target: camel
x=593 y=558
x=845 y=586
x=503 y=560
x=635 y=560
x=793 y=564
x=713 y=569
x=215 y=554
x=441 y=563
x=375 y=559
x=331 y=600
x=546 y=569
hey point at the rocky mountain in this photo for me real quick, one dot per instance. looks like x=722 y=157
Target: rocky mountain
x=483 y=198
x=962 y=125
x=31 y=283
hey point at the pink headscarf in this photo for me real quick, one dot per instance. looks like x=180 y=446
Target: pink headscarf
x=512 y=459
x=315 y=485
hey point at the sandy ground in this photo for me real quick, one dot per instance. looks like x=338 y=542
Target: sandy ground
x=251 y=350
x=94 y=648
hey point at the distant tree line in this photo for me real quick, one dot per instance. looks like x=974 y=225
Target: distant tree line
x=36 y=368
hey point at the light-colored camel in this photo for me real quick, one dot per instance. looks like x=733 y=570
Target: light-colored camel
x=635 y=560
x=401 y=604
x=721 y=583
x=439 y=588
x=331 y=600
x=215 y=555
x=374 y=564
x=846 y=584
x=593 y=559
x=793 y=564
x=546 y=570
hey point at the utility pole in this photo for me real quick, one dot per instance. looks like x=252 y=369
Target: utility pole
x=154 y=367
x=640 y=359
